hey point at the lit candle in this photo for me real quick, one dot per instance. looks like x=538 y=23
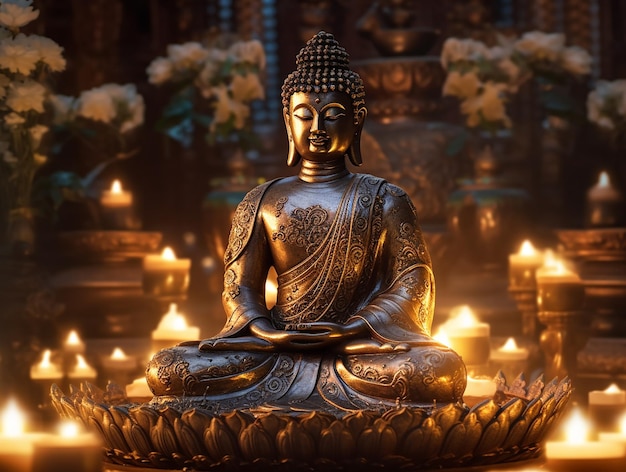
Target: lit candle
x=173 y=329
x=509 y=358
x=604 y=204
x=138 y=390
x=271 y=293
x=70 y=450
x=82 y=370
x=606 y=407
x=478 y=389
x=577 y=452
x=73 y=344
x=117 y=208
x=16 y=445
x=46 y=369
x=558 y=288
x=522 y=266
x=165 y=275
x=119 y=367
x=468 y=336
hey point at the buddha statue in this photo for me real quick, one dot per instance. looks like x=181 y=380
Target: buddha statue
x=351 y=326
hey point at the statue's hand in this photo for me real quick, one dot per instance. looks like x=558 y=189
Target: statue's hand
x=242 y=343
x=301 y=337
x=371 y=346
x=334 y=331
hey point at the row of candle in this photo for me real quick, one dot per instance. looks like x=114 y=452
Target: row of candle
x=66 y=450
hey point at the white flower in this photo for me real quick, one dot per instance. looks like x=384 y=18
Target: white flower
x=160 y=70
x=189 y=55
x=17 y=13
x=246 y=88
x=63 y=108
x=576 y=60
x=249 y=51
x=204 y=80
x=512 y=70
x=13 y=119
x=541 y=46
x=26 y=96
x=455 y=50
x=17 y=55
x=461 y=85
x=225 y=107
x=37 y=132
x=50 y=53
x=126 y=104
x=489 y=104
x=96 y=104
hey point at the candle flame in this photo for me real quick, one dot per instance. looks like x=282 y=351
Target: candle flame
x=168 y=254
x=173 y=320
x=12 y=420
x=116 y=186
x=463 y=317
x=576 y=428
x=442 y=337
x=81 y=363
x=73 y=339
x=604 y=181
x=527 y=249
x=69 y=429
x=613 y=388
x=118 y=354
x=510 y=345
x=45 y=359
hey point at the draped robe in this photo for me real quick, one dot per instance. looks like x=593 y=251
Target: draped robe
x=367 y=261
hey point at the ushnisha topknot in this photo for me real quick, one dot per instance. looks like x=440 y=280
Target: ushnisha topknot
x=322 y=65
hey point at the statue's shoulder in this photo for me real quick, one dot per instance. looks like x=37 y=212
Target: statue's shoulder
x=385 y=187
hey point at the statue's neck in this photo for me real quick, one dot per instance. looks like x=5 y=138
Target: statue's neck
x=323 y=171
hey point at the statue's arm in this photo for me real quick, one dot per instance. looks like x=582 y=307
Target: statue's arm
x=403 y=308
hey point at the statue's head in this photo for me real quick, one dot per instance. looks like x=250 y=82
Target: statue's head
x=323 y=104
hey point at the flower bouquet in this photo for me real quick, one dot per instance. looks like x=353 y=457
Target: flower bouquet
x=606 y=108
x=25 y=64
x=213 y=88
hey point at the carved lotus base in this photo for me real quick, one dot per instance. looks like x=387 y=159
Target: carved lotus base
x=506 y=429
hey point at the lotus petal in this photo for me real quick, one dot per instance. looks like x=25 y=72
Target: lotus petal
x=255 y=443
x=337 y=442
x=163 y=437
x=189 y=442
x=315 y=422
x=219 y=440
x=377 y=441
x=294 y=442
x=137 y=438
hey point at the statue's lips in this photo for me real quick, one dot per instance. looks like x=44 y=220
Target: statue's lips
x=319 y=141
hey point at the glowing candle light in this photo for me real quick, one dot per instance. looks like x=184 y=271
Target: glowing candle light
x=117 y=207
x=577 y=452
x=71 y=449
x=16 y=445
x=558 y=288
x=173 y=329
x=138 y=390
x=618 y=437
x=164 y=274
x=271 y=293
x=604 y=204
x=478 y=389
x=73 y=344
x=46 y=369
x=468 y=336
x=82 y=370
x=606 y=407
x=522 y=266
x=119 y=367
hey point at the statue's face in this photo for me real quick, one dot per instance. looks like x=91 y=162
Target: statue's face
x=321 y=124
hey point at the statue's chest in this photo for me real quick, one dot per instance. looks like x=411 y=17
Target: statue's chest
x=304 y=224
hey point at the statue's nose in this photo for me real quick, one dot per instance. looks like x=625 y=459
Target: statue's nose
x=318 y=124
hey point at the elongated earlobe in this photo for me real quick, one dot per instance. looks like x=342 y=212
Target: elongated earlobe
x=354 y=151
x=292 y=157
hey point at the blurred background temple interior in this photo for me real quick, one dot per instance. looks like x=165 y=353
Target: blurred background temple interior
x=498 y=117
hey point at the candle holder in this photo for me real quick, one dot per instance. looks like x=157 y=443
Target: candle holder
x=565 y=334
x=526 y=302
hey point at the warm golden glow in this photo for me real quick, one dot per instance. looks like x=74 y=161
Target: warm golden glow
x=45 y=360
x=73 y=339
x=622 y=425
x=576 y=428
x=462 y=317
x=168 y=254
x=69 y=429
x=81 y=363
x=116 y=187
x=613 y=388
x=173 y=320
x=12 y=420
x=527 y=249
x=118 y=354
x=442 y=337
x=510 y=345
